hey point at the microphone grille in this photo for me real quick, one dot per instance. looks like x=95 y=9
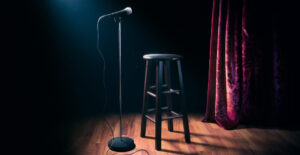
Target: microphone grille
x=128 y=10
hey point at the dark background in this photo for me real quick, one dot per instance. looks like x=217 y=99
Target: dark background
x=53 y=73
x=68 y=68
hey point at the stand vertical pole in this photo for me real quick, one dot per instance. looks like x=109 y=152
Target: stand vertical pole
x=120 y=75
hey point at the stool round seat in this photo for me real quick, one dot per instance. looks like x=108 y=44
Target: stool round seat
x=161 y=57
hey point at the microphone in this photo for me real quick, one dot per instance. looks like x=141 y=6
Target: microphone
x=126 y=11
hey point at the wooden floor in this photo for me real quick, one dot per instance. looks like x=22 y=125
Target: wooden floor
x=90 y=137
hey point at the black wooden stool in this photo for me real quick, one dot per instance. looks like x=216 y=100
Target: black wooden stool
x=158 y=90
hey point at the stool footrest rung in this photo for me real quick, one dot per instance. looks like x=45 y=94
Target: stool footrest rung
x=174 y=113
x=151 y=94
x=153 y=109
x=164 y=118
x=171 y=117
x=150 y=118
x=171 y=91
x=153 y=87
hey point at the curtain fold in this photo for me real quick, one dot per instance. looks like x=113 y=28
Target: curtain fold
x=245 y=81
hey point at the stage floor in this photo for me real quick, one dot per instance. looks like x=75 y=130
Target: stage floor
x=90 y=137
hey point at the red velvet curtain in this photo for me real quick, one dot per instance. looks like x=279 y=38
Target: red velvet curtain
x=245 y=76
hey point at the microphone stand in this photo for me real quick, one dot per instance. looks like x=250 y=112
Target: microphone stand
x=120 y=144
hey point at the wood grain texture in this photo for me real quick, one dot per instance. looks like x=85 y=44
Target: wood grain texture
x=90 y=137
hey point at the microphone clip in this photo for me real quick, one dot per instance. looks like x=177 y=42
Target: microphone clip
x=117 y=19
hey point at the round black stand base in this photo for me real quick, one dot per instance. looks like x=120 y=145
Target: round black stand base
x=121 y=144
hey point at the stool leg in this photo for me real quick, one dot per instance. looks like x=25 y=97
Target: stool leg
x=169 y=98
x=159 y=80
x=184 y=113
x=145 y=98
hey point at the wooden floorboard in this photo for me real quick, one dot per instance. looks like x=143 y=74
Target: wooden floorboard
x=90 y=137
